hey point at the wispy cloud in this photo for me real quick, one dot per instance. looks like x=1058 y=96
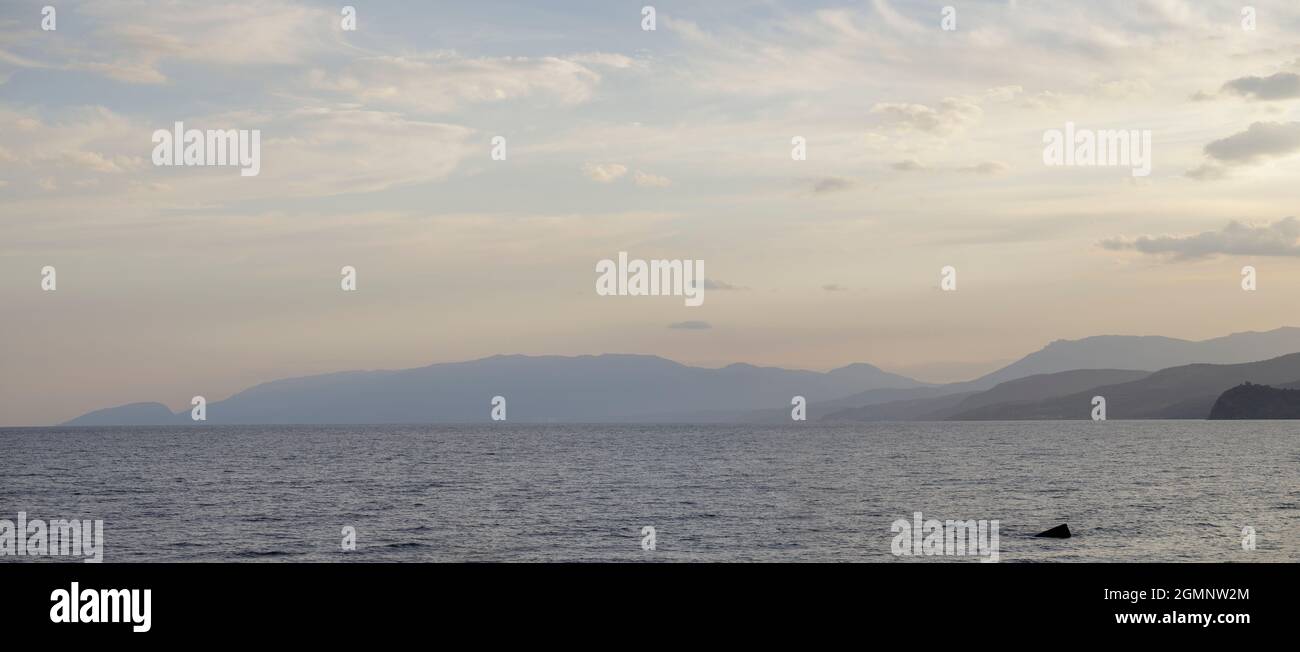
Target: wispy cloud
x=951 y=115
x=831 y=184
x=1236 y=239
x=1278 y=86
x=647 y=180
x=711 y=284
x=692 y=325
x=1260 y=142
x=441 y=82
x=604 y=172
x=908 y=165
x=985 y=167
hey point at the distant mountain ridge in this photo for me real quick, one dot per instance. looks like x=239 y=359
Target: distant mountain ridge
x=1102 y=352
x=611 y=387
x=642 y=388
x=1184 y=392
x=958 y=406
x=1149 y=353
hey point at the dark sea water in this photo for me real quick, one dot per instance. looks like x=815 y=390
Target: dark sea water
x=1130 y=491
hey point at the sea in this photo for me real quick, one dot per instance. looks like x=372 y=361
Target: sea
x=1130 y=491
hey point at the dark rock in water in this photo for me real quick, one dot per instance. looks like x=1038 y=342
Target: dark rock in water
x=1061 y=531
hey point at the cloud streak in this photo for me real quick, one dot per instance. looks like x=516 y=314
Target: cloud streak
x=1236 y=239
x=1278 y=86
x=831 y=184
x=441 y=82
x=604 y=172
x=1261 y=142
x=951 y=115
x=692 y=325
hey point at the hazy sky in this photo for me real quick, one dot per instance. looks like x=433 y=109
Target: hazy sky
x=924 y=149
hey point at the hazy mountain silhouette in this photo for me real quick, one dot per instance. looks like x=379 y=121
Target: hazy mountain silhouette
x=1185 y=392
x=536 y=388
x=1037 y=387
x=1148 y=352
x=134 y=414
x=1102 y=352
x=652 y=389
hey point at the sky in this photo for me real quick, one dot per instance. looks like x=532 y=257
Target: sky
x=924 y=150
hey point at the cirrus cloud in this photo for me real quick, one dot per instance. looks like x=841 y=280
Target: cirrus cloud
x=445 y=81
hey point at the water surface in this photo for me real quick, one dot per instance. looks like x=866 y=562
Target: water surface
x=1131 y=491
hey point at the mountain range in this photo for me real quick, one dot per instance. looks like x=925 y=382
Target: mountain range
x=1141 y=377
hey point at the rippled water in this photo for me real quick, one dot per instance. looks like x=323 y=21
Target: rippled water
x=1130 y=491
